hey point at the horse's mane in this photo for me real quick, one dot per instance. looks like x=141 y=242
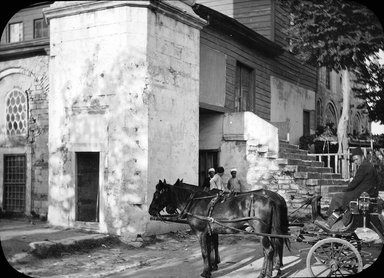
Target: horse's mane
x=197 y=190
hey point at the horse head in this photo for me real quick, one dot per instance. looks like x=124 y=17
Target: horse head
x=161 y=199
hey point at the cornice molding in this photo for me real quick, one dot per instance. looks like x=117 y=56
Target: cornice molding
x=179 y=10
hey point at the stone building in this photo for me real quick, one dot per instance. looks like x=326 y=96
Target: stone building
x=24 y=89
x=146 y=90
x=329 y=102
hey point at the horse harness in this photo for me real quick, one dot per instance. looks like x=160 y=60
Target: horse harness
x=221 y=197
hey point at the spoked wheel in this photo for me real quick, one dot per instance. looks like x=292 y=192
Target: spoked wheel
x=333 y=257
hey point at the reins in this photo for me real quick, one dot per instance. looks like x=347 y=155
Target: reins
x=215 y=199
x=212 y=220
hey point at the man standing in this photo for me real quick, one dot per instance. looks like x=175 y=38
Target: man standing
x=217 y=181
x=206 y=185
x=234 y=184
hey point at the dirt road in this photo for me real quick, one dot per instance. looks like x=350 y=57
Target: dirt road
x=171 y=255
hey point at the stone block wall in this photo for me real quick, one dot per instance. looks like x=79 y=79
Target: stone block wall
x=29 y=76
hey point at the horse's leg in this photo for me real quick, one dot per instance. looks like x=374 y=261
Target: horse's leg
x=278 y=254
x=263 y=268
x=268 y=258
x=214 y=256
x=216 y=243
x=205 y=248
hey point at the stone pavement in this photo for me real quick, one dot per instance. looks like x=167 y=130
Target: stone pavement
x=21 y=237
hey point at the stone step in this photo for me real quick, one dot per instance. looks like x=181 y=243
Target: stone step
x=298 y=151
x=297 y=156
x=327 y=182
x=285 y=145
x=303 y=168
x=330 y=190
x=316 y=175
x=299 y=162
x=323 y=182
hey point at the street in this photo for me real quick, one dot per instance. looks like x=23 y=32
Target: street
x=172 y=255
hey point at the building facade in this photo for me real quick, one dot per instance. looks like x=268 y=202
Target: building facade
x=329 y=103
x=24 y=90
x=140 y=91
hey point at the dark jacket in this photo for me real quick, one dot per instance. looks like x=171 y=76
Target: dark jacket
x=366 y=180
x=206 y=183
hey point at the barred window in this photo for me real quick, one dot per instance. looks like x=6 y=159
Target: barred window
x=16 y=113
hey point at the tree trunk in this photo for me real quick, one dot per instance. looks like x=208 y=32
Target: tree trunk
x=342 y=127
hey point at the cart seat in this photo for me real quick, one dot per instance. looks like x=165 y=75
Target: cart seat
x=338 y=227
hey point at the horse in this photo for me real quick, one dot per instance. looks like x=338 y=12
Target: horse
x=213 y=239
x=265 y=211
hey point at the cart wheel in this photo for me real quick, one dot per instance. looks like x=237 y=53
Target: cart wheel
x=333 y=257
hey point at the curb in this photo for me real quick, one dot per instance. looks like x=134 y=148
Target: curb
x=44 y=249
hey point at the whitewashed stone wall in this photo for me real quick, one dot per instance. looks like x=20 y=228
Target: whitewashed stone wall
x=124 y=83
x=250 y=145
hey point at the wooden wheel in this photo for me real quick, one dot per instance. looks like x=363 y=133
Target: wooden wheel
x=333 y=257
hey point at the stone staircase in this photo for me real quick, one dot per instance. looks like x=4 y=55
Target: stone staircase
x=309 y=175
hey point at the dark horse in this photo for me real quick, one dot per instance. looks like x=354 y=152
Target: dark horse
x=209 y=214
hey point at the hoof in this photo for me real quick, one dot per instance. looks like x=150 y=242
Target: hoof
x=205 y=274
x=278 y=274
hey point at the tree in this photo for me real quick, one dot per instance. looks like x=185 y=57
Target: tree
x=337 y=34
x=370 y=88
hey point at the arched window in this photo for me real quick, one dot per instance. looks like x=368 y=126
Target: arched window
x=319 y=112
x=357 y=124
x=331 y=114
x=16 y=113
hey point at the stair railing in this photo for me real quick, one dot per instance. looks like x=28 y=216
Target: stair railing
x=333 y=161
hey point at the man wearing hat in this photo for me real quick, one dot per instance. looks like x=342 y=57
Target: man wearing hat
x=365 y=180
x=206 y=185
x=217 y=181
x=234 y=184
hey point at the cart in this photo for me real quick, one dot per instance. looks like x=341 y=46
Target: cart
x=336 y=252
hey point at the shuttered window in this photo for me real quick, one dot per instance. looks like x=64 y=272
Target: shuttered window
x=16 y=32
x=244 y=95
x=40 y=29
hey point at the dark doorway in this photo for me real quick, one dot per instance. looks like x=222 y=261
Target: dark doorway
x=14 y=183
x=306 y=123
x=207 y=159
x=87 y=164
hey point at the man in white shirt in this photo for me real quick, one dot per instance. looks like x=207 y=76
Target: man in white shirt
x=234 y=184
x=217 y=181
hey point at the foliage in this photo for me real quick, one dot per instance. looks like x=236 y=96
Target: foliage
x=379 y=140
x=306 y=141
x=337 y=34
x=370 y=88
